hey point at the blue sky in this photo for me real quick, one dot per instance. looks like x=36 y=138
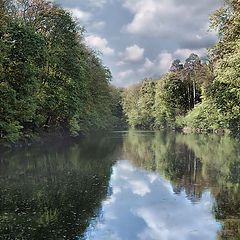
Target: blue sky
x=140 y=38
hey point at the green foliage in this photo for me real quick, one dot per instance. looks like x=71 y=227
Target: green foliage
x=196 y=94
x=131 y=105
x=170 y=100
x=146 y=104
x=54 y=191
x=157 y=104
x=194 y=163
x=226 y=87
x=205 y=116
x=223 y=95
x=9 y=127
x=49 y=78
x=119 y=121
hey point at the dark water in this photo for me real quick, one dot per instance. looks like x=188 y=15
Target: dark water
x=123 y=186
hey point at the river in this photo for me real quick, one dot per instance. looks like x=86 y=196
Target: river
x=123 y=186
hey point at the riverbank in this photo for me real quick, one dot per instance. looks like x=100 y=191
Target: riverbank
x=220 y=132
x=40 y=138
x=52 y=136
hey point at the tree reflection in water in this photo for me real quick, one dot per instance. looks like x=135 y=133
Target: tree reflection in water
x=60 y=191
x=193 y=164
x=52 y=192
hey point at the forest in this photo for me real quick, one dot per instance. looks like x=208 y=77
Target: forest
x=200 y=95
x=49 y=79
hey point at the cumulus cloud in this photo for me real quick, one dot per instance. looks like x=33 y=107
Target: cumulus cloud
x=133 y=53
x=99 y=44
x=148 y=64
x=155 y=33
x=184 y=20
x=86 y=18
x=80 y=15
x=97 y=4
x=154 y=68
x=159 y=65
x=120 y=63
x=125 y=74
x=90 y=3
x=164 y=61
x=183 y=53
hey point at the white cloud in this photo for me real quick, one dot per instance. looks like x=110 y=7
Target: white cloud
x=99 y=44
x=147 y=16
x=97 y=3
x=124 y=74
x=154 y=68
x=184 y=53
x=158 y=66
x=134 y=53
x=185 y=21
x=164 y=61
x=81 y=15
x=89 y=3
x=148 y=64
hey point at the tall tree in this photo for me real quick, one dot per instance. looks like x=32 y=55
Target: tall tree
x=225 y=91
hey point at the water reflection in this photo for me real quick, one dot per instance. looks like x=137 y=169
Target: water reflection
x=173 y=186
x=132 y=185
x=52 y=192
x=194 y=164
x=143 y=205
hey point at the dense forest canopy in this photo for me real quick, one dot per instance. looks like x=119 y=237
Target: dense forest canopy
x=49 y=78
x=196 y=94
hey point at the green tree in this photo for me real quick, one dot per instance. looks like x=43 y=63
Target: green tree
x=147 y=103
x=131 y=105
x=170 y=100
x=49 y=78
x=225 y=91
x=20 y=72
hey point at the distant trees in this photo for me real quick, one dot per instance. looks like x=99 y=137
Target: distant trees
x=171 y=100
x=131 y=105
x=48 y=77
x=159 y=103
x=196 y=94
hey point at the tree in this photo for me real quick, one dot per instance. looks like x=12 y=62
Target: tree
x=170 y=100
x=49 y=78
x=20 y=74
x=176 y=66
x=131 y=105
x=147 y=103
x=225 y=91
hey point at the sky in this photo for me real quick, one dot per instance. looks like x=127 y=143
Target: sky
x=139 y=39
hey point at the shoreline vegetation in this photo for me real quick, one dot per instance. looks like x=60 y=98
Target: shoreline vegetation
x=199 y=95
x=50 y=80
x=52 y=83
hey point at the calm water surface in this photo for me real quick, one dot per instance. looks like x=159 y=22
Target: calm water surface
x=123 y=186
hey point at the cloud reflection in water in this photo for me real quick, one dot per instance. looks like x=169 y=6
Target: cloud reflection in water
x=143 y=206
